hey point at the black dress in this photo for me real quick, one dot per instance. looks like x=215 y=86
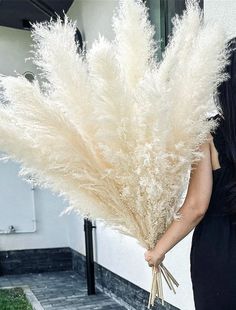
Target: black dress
x=213 y=249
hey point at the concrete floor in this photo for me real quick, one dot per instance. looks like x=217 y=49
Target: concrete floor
x=64 y=290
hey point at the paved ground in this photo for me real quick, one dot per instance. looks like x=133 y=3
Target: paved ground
x=63 y=290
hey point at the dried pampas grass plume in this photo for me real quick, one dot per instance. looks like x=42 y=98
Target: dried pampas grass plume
x=115 y=125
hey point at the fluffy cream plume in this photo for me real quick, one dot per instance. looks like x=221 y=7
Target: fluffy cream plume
x=115 y=125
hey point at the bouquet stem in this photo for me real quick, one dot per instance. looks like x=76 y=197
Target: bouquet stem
x=156 y=287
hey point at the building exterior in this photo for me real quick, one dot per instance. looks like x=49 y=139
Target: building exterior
x=35 y=214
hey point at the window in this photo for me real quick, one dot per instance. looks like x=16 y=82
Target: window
x=161 y=12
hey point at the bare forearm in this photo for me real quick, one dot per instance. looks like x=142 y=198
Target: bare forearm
x=178 y=229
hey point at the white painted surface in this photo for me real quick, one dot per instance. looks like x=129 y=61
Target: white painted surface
x=224 y=12
x=75 y=232
x=14 y=48
x=16 y=200
x=93 y=16
x=51 y=229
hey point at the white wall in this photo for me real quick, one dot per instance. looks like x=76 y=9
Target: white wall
x=224 y=12
x=17 y=207
x=51 y=229
x=14 y=48
x=119 y=253
x=93 y=17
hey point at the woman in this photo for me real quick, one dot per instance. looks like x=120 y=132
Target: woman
x=210 y=207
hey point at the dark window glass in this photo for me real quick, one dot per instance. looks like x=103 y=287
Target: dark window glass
x=161 y=12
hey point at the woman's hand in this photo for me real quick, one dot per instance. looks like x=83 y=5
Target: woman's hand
x=154 y=258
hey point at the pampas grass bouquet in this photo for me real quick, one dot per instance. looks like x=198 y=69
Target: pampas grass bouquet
x=115 y=124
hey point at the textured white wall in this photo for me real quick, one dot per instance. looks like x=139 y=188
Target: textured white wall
x=51 y=229
x=224 y=12
x=16 y=200
x=119 y=253
x=14 y=48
